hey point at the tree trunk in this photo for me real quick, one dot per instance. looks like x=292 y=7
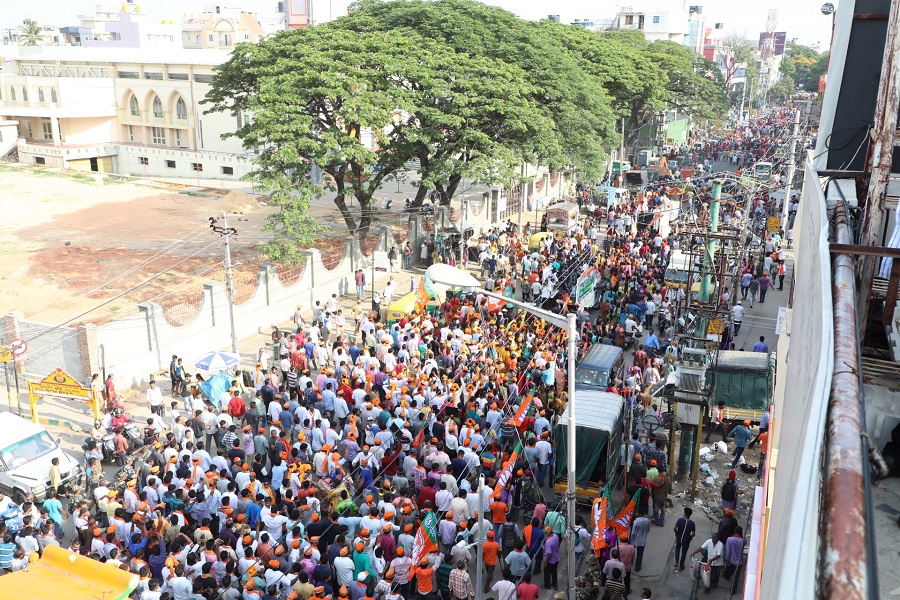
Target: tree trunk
x=340 y=199
x=365 y=220
x=421 y=194
x=448 y=192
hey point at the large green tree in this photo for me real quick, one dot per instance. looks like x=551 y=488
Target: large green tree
x=571 y=116
x=644 y=78
x=311 y=93
x=804 y=65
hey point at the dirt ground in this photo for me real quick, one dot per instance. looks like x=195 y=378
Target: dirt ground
x=69 y=245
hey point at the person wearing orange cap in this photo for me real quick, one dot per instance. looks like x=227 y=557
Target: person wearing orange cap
x=424 y=578
x=362 y=562
x=344 y=567
x=490 y=550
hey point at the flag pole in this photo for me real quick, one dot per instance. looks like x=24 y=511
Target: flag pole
x=479 y=553
x=570 y=454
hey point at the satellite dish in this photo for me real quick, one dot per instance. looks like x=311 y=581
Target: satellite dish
x=827 y=8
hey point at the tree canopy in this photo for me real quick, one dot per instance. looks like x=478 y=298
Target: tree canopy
x=463 y=89
x=804 y=65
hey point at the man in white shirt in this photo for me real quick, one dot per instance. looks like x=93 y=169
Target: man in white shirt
x=154 y=399
x=715 y=555
x=737 y=317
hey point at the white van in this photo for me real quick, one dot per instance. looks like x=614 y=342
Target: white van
x=26 y=452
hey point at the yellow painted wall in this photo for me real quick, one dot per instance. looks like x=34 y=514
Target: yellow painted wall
x=104 y=164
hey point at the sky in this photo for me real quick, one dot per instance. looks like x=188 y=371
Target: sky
x=801 y=19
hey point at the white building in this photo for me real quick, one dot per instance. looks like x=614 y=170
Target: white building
x=135 y=111
x=657 y=19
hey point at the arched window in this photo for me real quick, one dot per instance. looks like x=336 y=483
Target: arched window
x=157 y=107
x=40 y=94
x=25 y=94
x=53 y=97
x=181 y=109
x=135 y=107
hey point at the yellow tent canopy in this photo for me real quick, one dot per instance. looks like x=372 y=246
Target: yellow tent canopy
x=63 y=573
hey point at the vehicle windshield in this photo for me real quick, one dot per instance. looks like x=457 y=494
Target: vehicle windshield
x=677 y=276
x=27 y=450
x=591 y=377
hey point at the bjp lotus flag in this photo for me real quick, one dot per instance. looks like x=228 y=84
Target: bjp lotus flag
x=519 y=417
x=506 y=473
x=597 y=540
x=422 y=297
x=426 y=539
x=622 y=522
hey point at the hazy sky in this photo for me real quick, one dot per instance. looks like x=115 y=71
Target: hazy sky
x=801 y=19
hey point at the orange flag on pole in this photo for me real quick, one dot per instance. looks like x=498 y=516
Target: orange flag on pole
x=597 y=539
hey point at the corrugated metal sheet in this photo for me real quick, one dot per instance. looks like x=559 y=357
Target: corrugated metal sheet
x=595 y=410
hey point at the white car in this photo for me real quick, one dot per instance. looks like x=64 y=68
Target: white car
x=26 y=452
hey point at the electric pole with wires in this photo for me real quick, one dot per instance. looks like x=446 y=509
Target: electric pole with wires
x=226 y=232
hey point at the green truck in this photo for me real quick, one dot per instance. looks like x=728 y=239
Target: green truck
x=745 y=382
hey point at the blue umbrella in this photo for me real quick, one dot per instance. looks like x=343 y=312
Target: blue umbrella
x=218 y=361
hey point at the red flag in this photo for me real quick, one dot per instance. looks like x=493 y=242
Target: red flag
x=622 y=522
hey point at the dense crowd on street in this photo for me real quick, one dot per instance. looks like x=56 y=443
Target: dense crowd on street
x=350 y=467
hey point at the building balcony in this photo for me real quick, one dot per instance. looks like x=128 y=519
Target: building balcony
x=62 y=110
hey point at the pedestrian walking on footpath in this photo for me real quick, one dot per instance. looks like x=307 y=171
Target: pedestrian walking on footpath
x=742 y=436
x=752 y=289
x=684 y=529
x=715 y=555
x=764 y=284
x=639 y=532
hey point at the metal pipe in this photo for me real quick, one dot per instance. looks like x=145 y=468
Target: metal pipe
x=570 y=455
x=880 y=157
x=843 y=555
x=479 y=551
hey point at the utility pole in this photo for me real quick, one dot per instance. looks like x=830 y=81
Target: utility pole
x=479 y=549
x=226 y=232
x=792 y=165
x=622 y=155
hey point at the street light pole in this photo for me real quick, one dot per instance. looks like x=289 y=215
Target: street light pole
x=479 y=550
x=570 y=456
x=569 y=324
x=227 y=232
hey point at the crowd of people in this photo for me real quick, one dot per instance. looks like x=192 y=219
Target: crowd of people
x=350 y=467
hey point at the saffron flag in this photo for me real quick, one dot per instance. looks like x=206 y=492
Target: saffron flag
x=622 y=522
x=506 y=472
x=422 y=297
x=426 y=539
x=519 y=417
x=597 y=539
x=419 y=438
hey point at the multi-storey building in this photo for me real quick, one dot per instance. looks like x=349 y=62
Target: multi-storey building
x=136 y=111
x=219 y=27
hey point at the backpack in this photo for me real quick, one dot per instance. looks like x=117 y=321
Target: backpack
x=508 y=536
x=729 y=491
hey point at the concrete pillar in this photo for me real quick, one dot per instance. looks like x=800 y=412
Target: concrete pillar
x=11 y=326
x=54 y=124
x=267 y=276
x=441 y=217
x=314 y=261
x=88 y=350
x=414 y=235
x=494 y=209
x=207 y=300
x=152 y=311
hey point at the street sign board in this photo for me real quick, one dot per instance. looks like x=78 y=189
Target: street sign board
x=773 y=225
x=5 y=354
x=381 y=260
x=18 y=347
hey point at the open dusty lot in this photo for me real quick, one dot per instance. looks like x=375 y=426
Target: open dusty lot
x=73 y=250
x=69 y=244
